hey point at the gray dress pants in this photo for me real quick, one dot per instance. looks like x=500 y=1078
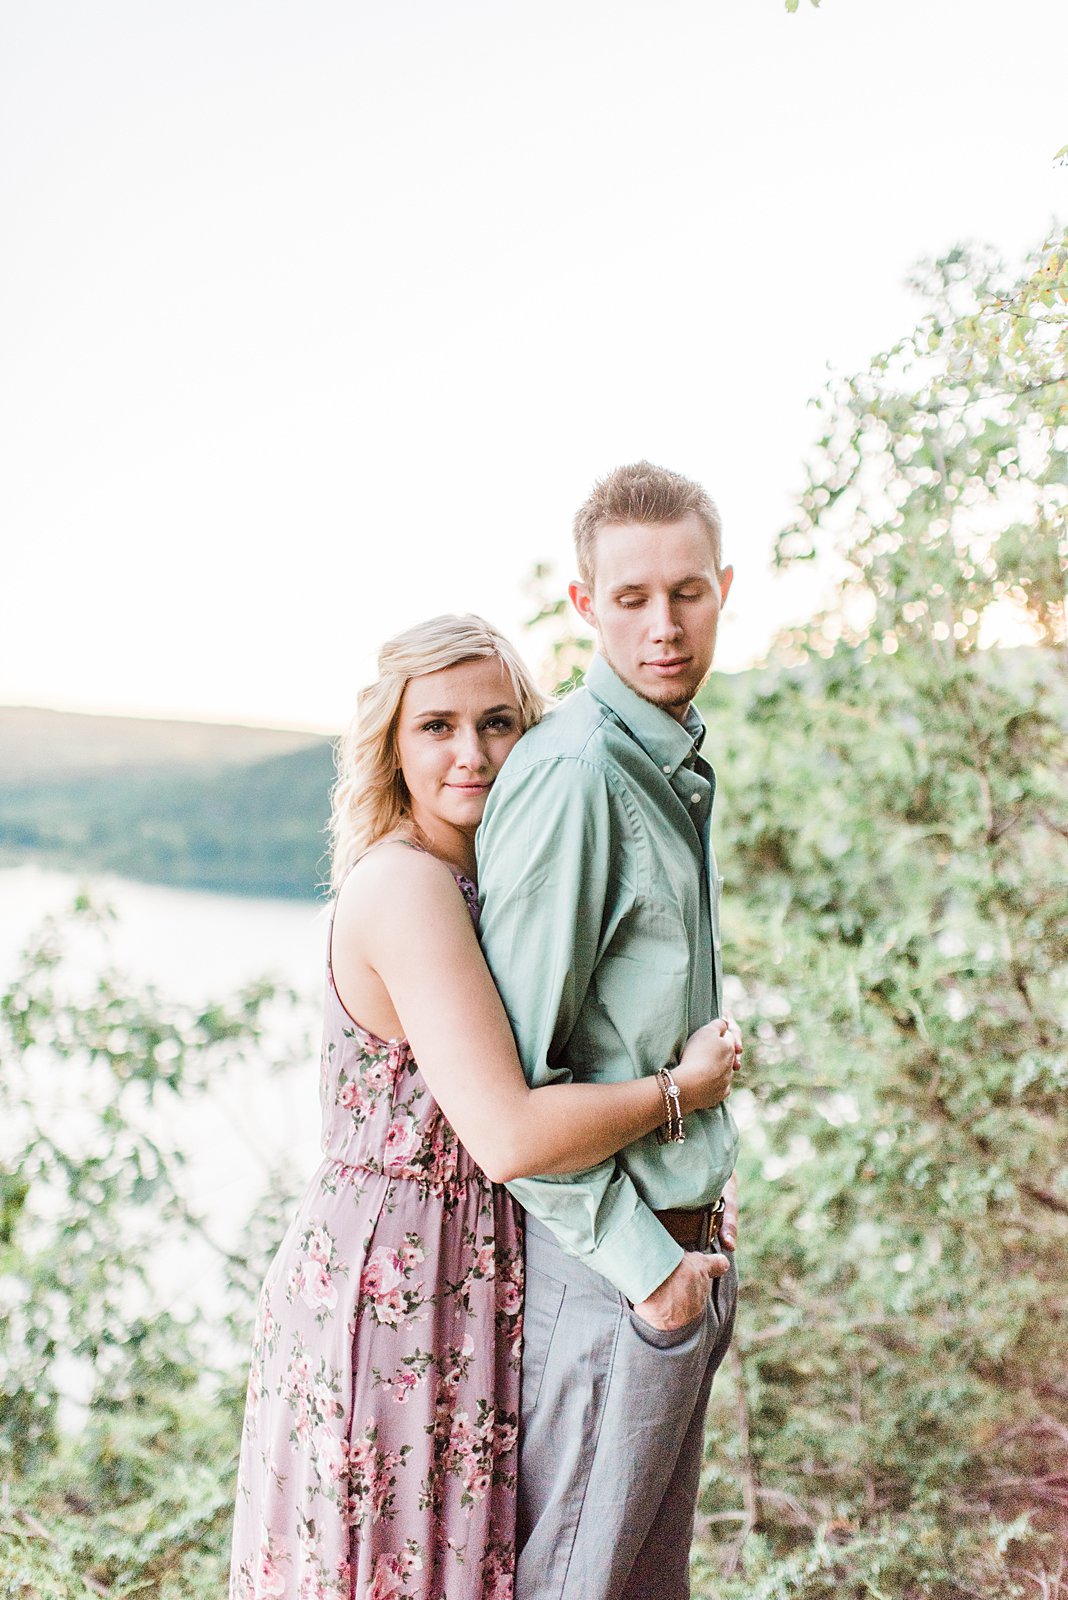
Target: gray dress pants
x=611 y=1436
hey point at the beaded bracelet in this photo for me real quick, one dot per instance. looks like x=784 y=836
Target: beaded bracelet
x=672 y=1131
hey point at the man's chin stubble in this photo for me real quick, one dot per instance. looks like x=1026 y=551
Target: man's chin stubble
x=674 y=699
x=666 y=701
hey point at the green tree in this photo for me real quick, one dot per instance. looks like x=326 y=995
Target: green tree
x=896 y=818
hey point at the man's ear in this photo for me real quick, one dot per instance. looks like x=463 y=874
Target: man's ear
x=726 y=577
x=582 y=601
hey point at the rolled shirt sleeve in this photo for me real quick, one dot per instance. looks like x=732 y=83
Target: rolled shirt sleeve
x=558 y=849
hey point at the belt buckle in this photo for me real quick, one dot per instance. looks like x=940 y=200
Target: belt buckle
x=713 y=1217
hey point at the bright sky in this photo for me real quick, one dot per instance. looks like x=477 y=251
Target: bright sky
x=316 y=320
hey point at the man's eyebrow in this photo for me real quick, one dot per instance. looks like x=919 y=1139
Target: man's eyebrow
x=676 y=583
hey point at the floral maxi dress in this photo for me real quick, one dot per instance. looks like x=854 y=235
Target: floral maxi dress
x=378 y=1454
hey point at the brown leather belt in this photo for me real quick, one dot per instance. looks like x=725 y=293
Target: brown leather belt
x=694 y=1230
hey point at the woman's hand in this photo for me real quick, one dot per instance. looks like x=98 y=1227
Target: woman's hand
x=706 y=1069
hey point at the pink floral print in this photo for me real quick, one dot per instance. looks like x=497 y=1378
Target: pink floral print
x=378 y=1453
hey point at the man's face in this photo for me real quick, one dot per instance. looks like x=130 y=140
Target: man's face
x=655 y=603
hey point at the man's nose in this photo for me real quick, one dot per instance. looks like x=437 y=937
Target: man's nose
x=663 y=623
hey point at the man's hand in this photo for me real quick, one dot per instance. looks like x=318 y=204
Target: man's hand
x=706 y=1067
x=728 y=1227
x=682 y=1297
x=734 y=1033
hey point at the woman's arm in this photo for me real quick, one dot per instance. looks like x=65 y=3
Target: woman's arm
x=400 y=915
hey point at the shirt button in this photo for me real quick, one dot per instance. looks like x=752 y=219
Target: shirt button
x=695 y=799
x=666 y=767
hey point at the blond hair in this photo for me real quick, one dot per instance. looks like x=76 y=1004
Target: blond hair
x=370 y=797
x=641 y=493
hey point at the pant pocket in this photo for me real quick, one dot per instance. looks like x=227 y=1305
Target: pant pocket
x=541 y=1313
x=667 y=1338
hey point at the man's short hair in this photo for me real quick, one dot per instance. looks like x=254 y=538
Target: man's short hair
x=641 y=493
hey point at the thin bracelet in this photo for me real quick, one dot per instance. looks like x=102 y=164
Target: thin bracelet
x=665 y=1127
x=672 y=1131
x=676 y=1133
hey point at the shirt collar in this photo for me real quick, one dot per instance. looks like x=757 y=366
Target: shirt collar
x=665 y=741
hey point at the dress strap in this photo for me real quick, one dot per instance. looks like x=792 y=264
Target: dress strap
x=389 y=839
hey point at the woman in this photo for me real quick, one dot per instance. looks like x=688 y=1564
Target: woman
x=379 y=1450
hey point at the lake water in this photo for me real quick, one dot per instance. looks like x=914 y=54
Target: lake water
x=189 y=944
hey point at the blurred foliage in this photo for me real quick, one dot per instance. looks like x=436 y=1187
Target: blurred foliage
x=566 y=654
x=941 y=477
x=894 y=833
x=119 y=1414
x=893 y=826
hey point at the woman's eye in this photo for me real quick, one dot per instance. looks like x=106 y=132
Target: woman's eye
x=435 y=727
x=500 y=724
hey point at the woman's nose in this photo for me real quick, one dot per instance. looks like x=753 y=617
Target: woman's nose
x=472 y=752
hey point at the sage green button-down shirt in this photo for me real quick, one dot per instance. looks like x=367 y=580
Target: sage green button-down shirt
x=600 y=923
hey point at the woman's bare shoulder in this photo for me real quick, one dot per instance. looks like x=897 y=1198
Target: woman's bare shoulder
x=395 y=876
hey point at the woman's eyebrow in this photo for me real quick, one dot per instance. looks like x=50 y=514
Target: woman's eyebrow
x=490 y=711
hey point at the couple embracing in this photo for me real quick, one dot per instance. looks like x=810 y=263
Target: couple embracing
x=455 y=1396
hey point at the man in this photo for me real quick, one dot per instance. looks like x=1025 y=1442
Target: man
x=601 y=926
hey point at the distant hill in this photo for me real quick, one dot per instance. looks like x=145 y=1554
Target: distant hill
x=37 y=745
x=199 y=805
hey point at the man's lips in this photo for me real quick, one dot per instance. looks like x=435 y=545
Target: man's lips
x=670 y=664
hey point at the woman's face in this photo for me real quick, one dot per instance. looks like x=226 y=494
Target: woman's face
x=454 y=729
